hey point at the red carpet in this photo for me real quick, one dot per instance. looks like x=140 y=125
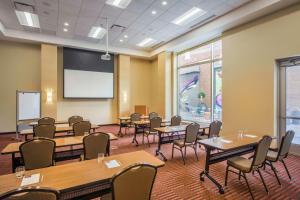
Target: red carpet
x=177 y=181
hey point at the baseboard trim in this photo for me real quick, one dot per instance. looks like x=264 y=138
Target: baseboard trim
x=7 y=133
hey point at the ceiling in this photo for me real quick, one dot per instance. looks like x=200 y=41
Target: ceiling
x=138 y=19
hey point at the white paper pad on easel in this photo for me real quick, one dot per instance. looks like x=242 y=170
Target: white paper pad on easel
x=112 y=164
x=35 y=178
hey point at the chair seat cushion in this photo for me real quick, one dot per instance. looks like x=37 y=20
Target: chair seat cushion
x=202 y=137
x=272 y=155
x=180 y=143
x=240 y=163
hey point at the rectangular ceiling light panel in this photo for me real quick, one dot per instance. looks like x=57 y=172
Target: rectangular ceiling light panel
x=28 y=19
x=118 y=3
x=146 y=42
x=189 y=16
x=97 y=32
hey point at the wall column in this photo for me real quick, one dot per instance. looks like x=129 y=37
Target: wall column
x=49 y=80
x=124 y=85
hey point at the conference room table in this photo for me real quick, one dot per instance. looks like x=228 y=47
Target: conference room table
x=229 y=146
x=56 y=122
x=58 y=129
x=167 y=135
x=80 y=179
x=123 y=121
x=13 y=148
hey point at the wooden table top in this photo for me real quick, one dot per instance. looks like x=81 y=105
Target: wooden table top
x=233 y=141
x=59 y=128
x=60 y=142
x=170 y=129
x=56 y=122
x=128 y=117
x=144 y=122
x=76 y=174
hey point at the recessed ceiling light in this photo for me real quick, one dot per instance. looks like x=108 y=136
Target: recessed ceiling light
x=146 y=42
x=28 y=19
x=97 y=32
x=121 y=40
x=118 y=3
x=189 y=16
x=65 y=30
x=66 y=24
x=153 y=12
x=125 y=36
x=164 y=3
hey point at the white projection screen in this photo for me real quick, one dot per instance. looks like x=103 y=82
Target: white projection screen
x=86 y=75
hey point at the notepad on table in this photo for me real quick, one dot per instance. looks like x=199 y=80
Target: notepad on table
x=34 y=178
x=250 y=136
x=112 y=164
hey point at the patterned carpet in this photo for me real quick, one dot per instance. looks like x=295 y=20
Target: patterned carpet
x=176 y=181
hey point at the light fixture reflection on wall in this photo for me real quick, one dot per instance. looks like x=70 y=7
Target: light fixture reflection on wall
x=49 y=99
x=125 y=97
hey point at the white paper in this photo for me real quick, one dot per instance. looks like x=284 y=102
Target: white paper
x=249 y=135
x=112 y=164
x=226 y=141
x=35 y=178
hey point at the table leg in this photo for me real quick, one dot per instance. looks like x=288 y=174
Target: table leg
x=13 y=162
x=108 y=148
x=134 y=140
x=206 y=171
x=159 y=143
x=120 y=130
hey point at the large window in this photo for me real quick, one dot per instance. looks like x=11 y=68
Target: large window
x=200 y=83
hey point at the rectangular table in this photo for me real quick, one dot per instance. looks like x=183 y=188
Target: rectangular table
x=230 y=146
x=77 y=179
x=13 y=148
x=123 y=121
x=56 y=122
x=164 y=137
x=58 y=129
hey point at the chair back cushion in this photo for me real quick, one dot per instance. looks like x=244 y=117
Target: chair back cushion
x=152 y=115
x=46 y=120
x=95 y=143
x=192 y=132
x=81 y=127
x=37 y=153
x=175 y=120
x=155 y=123
x=30 y=193
x=261 y=151
x=214 y=129
x=285 y=144
x=74 y=119
x=135 y=117
x=44 y=130
x=134 y=183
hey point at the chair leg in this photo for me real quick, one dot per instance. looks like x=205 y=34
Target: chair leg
x=274 y=170
x=195 y=149
x=263 y=181
x=148 y=140
x=185 y=151
x=286 y=169
x=226 y=175
x=248 y=185
x=153 y=138
x=182 y=156
x=143 y=138
x=240 y=175
x=173 y=150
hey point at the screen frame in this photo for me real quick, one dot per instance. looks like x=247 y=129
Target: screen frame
x=114 y=74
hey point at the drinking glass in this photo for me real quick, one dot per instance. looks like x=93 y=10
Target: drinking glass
x=20 y=171
x=241 y=133
x=86 y=133
x=100 y=157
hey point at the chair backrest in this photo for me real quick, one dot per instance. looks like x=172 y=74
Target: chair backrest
x=155 y=123
x=192 y=132
x=95 y=143
x=285 y=144
x=30 y=193
x=74 y=119
x=126 y=185
x=37 y=153
x=214 y=129
x=44 y=130
x=81 y=127
x=261 y=151
x=135 y=117
x=152 y=115
x=175 y=120
x=46 y=120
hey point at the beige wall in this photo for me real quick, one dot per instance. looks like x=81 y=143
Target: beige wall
x=98 y=111
x=249 y=54
x=20 y=70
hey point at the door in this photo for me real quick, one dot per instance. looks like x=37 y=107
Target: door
x=289 y=99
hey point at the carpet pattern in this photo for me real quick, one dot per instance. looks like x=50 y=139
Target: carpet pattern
x=176 y=181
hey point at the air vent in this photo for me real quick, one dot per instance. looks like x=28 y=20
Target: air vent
x=24 y=7
x=202 y=22
x=117 y=28
x=158 y=45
